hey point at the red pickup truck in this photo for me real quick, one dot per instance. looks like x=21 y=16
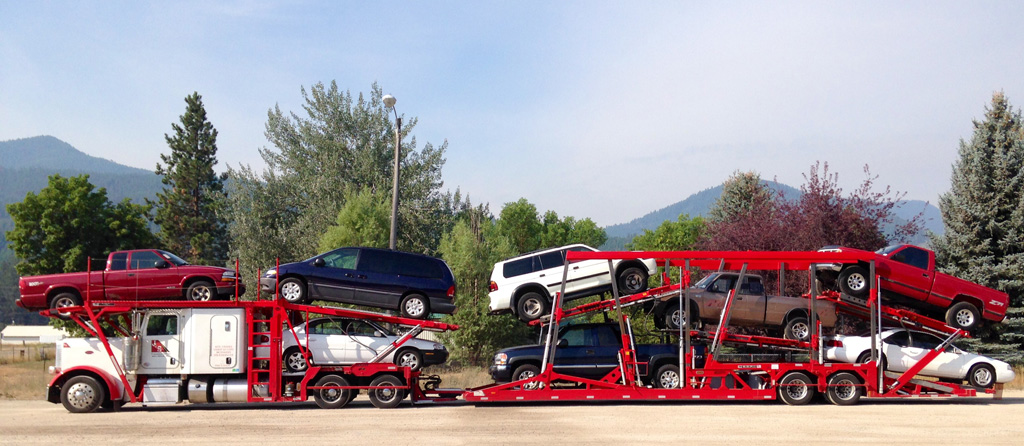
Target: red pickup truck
x=908 y=277
x=141 y=274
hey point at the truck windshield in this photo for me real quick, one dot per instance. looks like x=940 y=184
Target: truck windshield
x=177 y=261
x=888 y=250
x=705 y=281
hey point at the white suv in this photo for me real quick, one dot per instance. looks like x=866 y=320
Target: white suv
x=525 y=285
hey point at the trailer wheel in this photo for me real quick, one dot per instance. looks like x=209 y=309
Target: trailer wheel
x=294 y=361
x=844 y=389
x=410 y=358
x=82 y=394
x=532 y=306
x=415 y=306
x=632 y=280
x=667 y=377
x=982 y=375
x=963 y=315
x=293 y=290
x=201 y=291
x=386 y=398
x=797 y=328
x=796 y=389
x=527 y=371
x=332 y=398
x=853 y=280
x=65 y=299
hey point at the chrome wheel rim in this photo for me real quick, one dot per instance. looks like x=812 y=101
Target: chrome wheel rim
x=797 y=389
x=414 y=307
x=676 y=319
x=844 y=389
x=801 y=331
x=81 y=396
x=965 y=317
x=532 y=308
x=291 y=291
x=632 y=282
x=856 y=282
x=202 y=294
x=527 y=374
x=296 y=362
x=409 y=359
x=669 y=379
x=983 y=377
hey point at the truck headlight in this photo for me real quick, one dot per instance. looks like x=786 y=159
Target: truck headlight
x=500 y=359
x=227 y=275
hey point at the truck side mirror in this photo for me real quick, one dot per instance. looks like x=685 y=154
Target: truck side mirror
x=563 y=342
x=319 y=262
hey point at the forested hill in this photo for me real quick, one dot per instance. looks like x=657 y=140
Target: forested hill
x=25 y=165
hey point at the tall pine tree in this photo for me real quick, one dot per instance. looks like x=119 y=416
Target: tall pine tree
x=189 y=210
x=984 y=217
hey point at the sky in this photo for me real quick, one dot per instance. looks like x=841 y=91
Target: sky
x=606 y=110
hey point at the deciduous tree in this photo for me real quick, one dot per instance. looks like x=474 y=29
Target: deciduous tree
x=364 y=220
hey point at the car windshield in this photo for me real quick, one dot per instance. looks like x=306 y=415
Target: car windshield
x=177 y=261
x=888 y=250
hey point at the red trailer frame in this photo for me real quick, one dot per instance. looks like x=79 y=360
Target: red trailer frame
x=793 y=382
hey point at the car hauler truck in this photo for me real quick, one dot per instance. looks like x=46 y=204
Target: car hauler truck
x=167 y=352
x=792 y=371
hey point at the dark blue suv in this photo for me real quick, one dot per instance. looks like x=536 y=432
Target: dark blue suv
x=415 y=285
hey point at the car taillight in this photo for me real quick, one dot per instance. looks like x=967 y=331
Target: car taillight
x=833 y=343
x=451 y=291
x=493 y=286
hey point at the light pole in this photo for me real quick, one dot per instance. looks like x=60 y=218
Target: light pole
x=389 y=102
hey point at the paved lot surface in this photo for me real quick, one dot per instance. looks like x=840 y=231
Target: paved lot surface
x=966 y=421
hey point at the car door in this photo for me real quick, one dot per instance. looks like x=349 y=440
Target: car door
x=377 y=282
x=525 y=270
x=327 y=341
x=749 y=306
x=117 y=283
x=332 y=276
x=712 y=299
x=587 y=274
x=948 y=364
x=155 y=277
x=364 y=342
x=909 y=272
x=552 y=267
x=894 y=347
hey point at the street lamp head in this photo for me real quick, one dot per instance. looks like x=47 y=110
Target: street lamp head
x=389 y=101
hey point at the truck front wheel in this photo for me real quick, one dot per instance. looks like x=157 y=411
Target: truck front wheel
x=963 y=315
x=65 y=299
x=201 y=291
x=854 y=281
x=82 y=394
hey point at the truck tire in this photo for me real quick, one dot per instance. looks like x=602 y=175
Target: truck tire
x=415 y=306
x=963 y=315
x=531 y=306
x=796 y=389
x=386 y=398
x=82 y=394
x=844 y=389
x=670 y=319
x=332 y=398
x=797 y=328
x=292 y=290
x=854 y=280
x=201 y=291
x=65 y=299
x=667 y=377
x=632 y=280
x=527 y=371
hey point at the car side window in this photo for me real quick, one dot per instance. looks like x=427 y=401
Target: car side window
x=746 y=288
x=552 y=259
x=722 y=285
x=118 y=262
x=577 y=337
x=915 y=257
x=360 y=328
x=607 y=337
x=342 y=258
x=162 y=325
x=522 y=266
x=416 y=266
x=925 y=341
x=374 y=261
x=327 y=327
x=145 y=259
x=900 y=339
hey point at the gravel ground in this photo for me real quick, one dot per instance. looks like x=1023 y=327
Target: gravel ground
x=931 y=421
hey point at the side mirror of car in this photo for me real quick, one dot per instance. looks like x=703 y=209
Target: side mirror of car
x=563 y=342
x=378 y=334
x=161 y=264
x=319 y=262
x=756 y=288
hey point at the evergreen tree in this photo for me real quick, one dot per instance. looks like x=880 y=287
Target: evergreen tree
x=741 y=192
x=984 y=217
x=189 y=210
x=364 y=220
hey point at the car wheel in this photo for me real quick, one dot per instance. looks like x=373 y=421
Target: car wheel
x=797 y=328
x=201 y=291
x=415 y=306
x=671 y=317
x=532 y=306
x=386 y=398
x=82 y=394
x=292 y=290
x=963 y=315
x=632 y=280
x=865 y=357
x=527 y=371
x=796 y=389
x=63 y=300
x=410 y=358
x=332 y=398
x=667 y=377
x=982 y=375
x=294 y=361
x=853 y=280
x=844 y=389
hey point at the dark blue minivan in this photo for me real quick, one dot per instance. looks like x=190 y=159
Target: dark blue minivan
x=416 y=285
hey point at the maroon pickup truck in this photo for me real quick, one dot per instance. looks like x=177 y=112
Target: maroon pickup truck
x=908 y=277
x=141 y=274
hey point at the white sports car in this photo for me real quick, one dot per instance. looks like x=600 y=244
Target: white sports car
x=902 y=348
x=341 y=341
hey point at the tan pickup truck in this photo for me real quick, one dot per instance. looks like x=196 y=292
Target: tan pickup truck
x=751 y=308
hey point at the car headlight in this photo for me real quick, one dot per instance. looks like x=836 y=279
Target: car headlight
x=500 y=359
x=227 y=275
x=438 y=346
x=270 y=272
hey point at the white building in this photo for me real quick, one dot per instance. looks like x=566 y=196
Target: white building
x=31 y=334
